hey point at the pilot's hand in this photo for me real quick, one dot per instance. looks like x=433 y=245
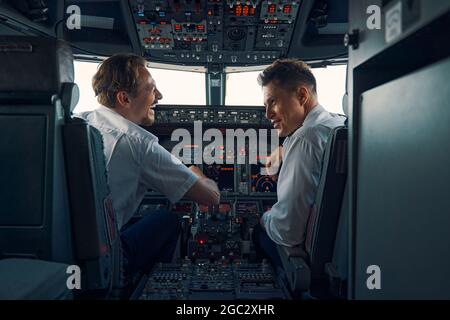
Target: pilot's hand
x=274 y=161
x=204 y=191
x=197 y=171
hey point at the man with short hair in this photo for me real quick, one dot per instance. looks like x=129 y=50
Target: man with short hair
x=136 y=162
x=290 y=99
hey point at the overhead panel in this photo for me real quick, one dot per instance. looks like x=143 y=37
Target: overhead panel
x=199 y=32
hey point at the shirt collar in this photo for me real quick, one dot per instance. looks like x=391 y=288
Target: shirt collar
x=109 y=111
x=313 y=117
x=119 y=121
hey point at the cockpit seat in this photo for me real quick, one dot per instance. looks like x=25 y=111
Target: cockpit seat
x=23 y=279
x=305 y=265
x=54 y=191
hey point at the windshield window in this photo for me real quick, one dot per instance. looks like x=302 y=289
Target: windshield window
x=177 y=87
x=243 y=89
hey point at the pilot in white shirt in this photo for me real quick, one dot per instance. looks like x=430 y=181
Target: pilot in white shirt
x=136 y=162
x=290 y=98
x=298 y=180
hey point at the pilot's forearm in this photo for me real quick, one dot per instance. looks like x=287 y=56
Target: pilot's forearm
x=213 y=187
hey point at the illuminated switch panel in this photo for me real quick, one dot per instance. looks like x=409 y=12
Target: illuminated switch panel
x=242 y=10
x=253 y=3
x=279 y=11
x=155 y=36
x=189 y=31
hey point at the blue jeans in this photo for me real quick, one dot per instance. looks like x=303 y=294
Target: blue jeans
x=266 y=248
x=152 y=239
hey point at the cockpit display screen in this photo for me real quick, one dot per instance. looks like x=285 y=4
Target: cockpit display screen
x=222 y=174
x=260 y=181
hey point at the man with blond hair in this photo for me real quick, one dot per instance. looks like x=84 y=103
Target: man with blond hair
x=136 y=162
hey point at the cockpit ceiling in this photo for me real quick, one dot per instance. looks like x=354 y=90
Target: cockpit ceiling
x=206 y=33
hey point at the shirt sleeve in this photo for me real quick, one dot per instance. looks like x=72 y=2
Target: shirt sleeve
x=163 y=172
x=297 y=186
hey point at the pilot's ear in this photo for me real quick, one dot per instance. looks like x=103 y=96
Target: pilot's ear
x=302 y=94
x=122 y=98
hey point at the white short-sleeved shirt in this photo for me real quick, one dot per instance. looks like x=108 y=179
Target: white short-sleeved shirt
x=286 y=221
x=136 y=162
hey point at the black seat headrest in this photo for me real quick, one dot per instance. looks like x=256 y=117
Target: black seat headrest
x=34 y=65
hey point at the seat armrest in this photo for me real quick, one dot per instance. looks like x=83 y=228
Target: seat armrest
x=295 y=265
x=300 y=278
x=292 y=251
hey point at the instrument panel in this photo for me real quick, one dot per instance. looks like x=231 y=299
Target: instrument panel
x=219 y=116
x=217 y=257
x=214 y=233
x=232 y=179
x=235 y=166
x=213 y=281
x=201 y=32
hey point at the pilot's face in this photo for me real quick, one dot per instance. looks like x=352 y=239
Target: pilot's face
x=283 y=108
x=146 y=98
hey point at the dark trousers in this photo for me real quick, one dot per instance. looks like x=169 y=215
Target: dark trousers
x=152 y=239
x=266 y=248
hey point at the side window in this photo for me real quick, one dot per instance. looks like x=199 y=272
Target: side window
x=331 y=87
x=84 y=71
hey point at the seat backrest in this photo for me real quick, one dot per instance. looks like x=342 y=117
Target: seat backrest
x=324 y=217
x=304 y=266
x=56 y=192
x=96 y=235
x=34 y=210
